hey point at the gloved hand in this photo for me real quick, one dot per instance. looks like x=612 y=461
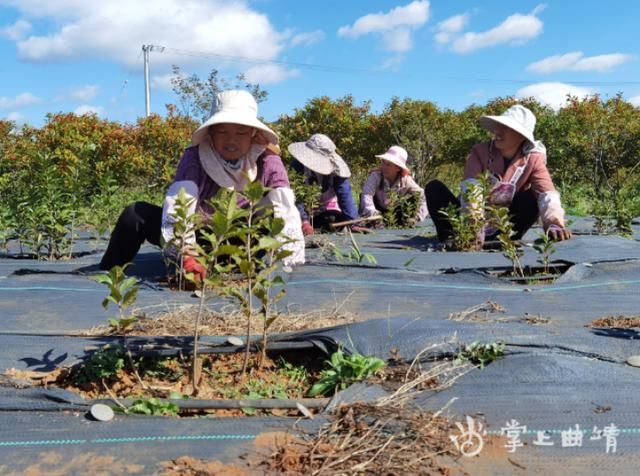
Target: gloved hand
x=307 y=229
x=191 y=265
x=558 y=233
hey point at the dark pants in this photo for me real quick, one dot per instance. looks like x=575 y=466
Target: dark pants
x=137 y=223
x=323 y=219
x=523 y=209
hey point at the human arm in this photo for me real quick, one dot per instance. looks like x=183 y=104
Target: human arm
x=187 y=177
x=283 y=202
x=548 y=198
x=342 y=187
x=367 y=205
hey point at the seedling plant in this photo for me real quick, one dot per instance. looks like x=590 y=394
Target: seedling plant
x=123 y=292
x=185 y=222
x=481 y=354
x=501 y=221
x=344 y=370
x=401 y=210
x=247 y=240
x=355 y=254
x=546 y=248
x=308 y=194
x=468 y=221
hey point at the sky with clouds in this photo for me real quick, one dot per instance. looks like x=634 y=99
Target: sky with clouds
x=83 y=57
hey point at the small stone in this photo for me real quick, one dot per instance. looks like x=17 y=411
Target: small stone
x=287 y=269
x=634 y=360
x=304 y=410
x=235 y=341
x=197 y=293
x=102 y=412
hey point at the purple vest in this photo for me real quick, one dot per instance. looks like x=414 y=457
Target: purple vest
x=271 y=173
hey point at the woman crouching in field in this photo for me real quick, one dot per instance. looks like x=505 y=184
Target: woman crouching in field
x=517 y=166
x=392 y=176
x=318 y=161
x=227 y=151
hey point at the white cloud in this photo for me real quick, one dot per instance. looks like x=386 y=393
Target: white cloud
x=87 y=109
x=84 y=93
x=269 y=74
x=392 y=62
x=21 y=100
x=395 y=26
x=117 y=29
x=515 y=29
x=602 y=62
x=553 y=94
x=308 y=38
x=17 y=118
x=576 y=61
x=398 y=40
x=17 y=31
x=162 y=82
x=447 y=29
x=635 y=100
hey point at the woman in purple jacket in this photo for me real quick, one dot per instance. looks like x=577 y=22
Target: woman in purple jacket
x=227 y=151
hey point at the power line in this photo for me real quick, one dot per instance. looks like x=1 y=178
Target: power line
x=346 y=70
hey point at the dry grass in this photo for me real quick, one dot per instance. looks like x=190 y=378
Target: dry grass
x=390 y=435
x=227 y=320
x=486 y=313
x=621 y=322
x=478 y=313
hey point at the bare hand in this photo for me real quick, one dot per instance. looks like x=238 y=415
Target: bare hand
x=559 y=234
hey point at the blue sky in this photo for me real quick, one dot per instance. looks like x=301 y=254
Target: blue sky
x=77 y=55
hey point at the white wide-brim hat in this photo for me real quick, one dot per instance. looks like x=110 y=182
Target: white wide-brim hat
x=319 y=154
x=517 y=118
x=234 y=107
x=397 y=156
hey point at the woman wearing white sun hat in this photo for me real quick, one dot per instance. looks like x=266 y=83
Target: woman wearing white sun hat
x=517 y=164
x=233 y=147
x=318 y=160
x=393 y=175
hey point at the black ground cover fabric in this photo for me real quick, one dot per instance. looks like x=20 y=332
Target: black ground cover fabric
x=555 y=373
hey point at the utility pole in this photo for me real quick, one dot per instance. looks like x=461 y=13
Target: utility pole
x=147 y=95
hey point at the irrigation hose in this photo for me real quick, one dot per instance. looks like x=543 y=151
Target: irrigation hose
x=267 y=403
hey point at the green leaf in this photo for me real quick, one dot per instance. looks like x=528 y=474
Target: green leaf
x=268 y=243
x=408 y=262
x=130 y=297
x=220 y=224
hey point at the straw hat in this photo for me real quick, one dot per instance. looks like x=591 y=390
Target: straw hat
x=517 y=118
x=397 y=156
x=234 y=107
x=319 y=154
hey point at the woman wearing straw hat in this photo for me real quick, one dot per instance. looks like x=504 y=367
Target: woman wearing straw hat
x=317 y=159
x=230 y=149
x=393 y=175
x=517 y=164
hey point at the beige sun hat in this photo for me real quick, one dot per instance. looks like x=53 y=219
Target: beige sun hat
x=517 y=118
x=234 y=107
x=397 y=156
x=319 y=154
